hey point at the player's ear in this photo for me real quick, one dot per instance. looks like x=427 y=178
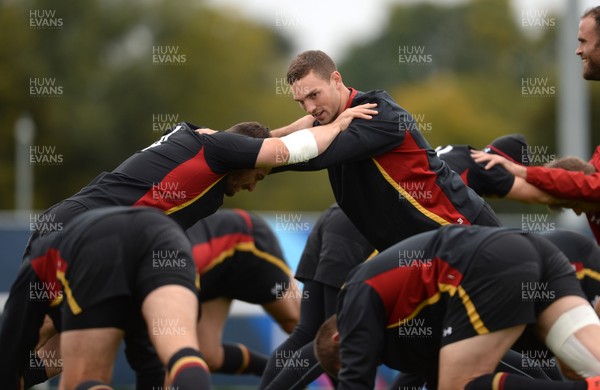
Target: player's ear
x=336 y=337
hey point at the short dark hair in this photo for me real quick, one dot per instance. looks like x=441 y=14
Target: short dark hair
x=594 y=13
x=250 y=129
x=570 y=163
x=326 y=350
x=309 y=60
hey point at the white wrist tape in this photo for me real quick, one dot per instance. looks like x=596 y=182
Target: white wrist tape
x=562 y=341
x=301 y=145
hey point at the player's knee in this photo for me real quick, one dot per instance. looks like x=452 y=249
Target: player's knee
x=561 y=339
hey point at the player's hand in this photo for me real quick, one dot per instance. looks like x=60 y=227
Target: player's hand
x=495 y=159
x=363 y=111
x=205 y=131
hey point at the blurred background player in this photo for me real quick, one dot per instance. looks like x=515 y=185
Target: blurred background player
x=115 y=271
x=334 y=247
x=239 y=257
x=448 y=304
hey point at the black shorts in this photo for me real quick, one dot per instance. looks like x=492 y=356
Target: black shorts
x=116 y=261
x=247 y=278
x=509 y=284
x=53 y=219
x=487 y=217
x=334 y=247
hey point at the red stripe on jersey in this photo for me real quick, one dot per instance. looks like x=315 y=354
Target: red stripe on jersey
x=406 y=290
x=208 y=253
x=405 y=163
x=46 y=267
x=353 y=93
x=183 y=185
x=244 y=214
x=465 y=176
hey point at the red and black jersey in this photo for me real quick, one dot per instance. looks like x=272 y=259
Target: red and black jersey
x=238 y=256
x=571 y=185
x=388 y=179
x=496 y=181
x=584 y=254
x=181 y=174
x=35 y=291
x=439 y=287
x=102 y=254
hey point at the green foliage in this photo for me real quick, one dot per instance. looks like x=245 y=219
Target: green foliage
x=119 y=90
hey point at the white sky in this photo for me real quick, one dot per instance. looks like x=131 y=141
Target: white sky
x=334 y=25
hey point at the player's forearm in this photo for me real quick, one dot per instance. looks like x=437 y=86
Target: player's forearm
x=302 y=123
x=298 y=147
x=566 y=184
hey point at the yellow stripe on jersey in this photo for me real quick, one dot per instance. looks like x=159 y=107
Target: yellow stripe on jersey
x=429 y=301
x=56 y=301
x=590 y=273
x=472 y=313
x=249 y=247
x=436 y=218
x=184 y=205
x=60 y=275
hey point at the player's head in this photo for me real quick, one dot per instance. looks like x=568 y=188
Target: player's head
x=250 y=129
x=316 y=85
x=512 y=146
x=246 y=179
x=572 y=163
x=589 y=43
x=327 y=346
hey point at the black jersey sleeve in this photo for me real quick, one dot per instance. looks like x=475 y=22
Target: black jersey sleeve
x=496 y=181
x=361 y=323
x=21 y=320
x=225 y=152
x=363 y=138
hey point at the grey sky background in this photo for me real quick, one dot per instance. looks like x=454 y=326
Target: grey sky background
x=334 y=25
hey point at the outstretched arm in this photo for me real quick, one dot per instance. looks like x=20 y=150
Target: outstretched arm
x=305 y=144
x=302 y=123
x=494 y=159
